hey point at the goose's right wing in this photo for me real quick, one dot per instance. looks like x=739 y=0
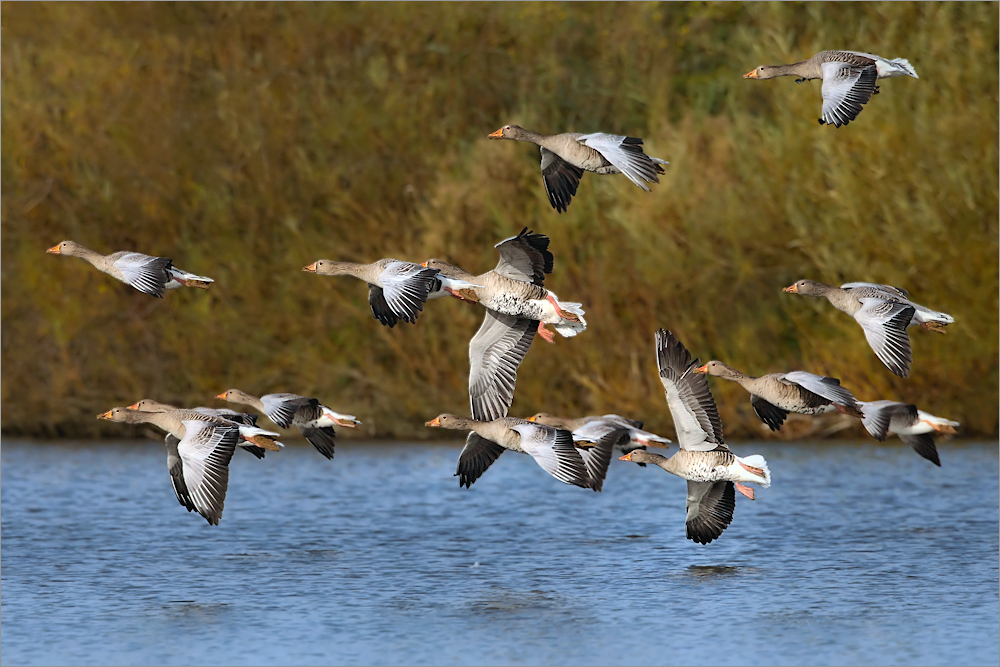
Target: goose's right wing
x=553 y=449
x=176 y=468
x=884 y=324
x=846 y=88
x=525 y=257
x=205 y=451
x=495 y=353
x=696 y=417
x=405 y=287
x=597 y=455
x=825 y=387
x=380 y=308
x=876 y=290
x=625 y=153
x=145 y=273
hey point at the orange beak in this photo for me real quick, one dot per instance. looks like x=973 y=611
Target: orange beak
x=791 y=289
x=434 y=422
x=54 y=250
x=222 y=396
x=106 y=415
x=531 y=418
x=702 y=369
x=134 y=406
x=627 y=457
x=424 y=264
x=311 y=268
x=496 y=135
x=752 y=74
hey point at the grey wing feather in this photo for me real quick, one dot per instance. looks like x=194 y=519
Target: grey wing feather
x=877 y=416
x=525 y=257
x=769 y=413
x=281 y=408
x=923 y=444
x=597 y=456
x=145 y=273
x=710 y=507
x=323 y=439
x=846 y=88
x=876 y=290
x=176 y=468
x=380 y=309
x=495 y=353
x=626 y=154
x=560 y=178
x=477 y=455
x=696 y=417
x=884 y=324
x=206 y=451
x=405 y=287
x=826 y=387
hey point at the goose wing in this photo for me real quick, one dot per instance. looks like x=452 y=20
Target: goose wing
x=281 y=408
x=405 y=287
x=884 y=324
x=477 y=455
x=176 y=468
x=846 y=88
x=877 y=291
x=768 y=412
x=560 y=178
x=145 y=273
x=878 y=416
x=525 y=257
x=625 y=153
x=495 y=353
x=696 y=417
x=597 y=455
x=710 y=508
x=205 y=452
x=380 y=308
x=553 y=449
x=824 y=389
x=923 y=444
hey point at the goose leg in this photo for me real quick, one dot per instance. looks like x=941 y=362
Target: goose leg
x=933 y=326
x=745 y=490
x=548 y=335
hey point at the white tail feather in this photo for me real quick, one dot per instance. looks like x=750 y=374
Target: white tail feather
x=756 y=461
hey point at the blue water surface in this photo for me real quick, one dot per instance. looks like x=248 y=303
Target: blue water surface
x=859 y=553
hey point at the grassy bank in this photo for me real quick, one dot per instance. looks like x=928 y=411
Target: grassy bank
x=248 y=140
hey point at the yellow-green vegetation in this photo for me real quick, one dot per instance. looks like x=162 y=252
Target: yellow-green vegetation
x=248 y=140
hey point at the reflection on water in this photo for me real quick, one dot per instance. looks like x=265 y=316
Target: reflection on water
x=378 y=557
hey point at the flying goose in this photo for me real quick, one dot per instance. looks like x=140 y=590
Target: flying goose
x=148 y=274
x=710 y=468
x=566 y=156
x=593 y=428
x=848 y=79
x=397 y=290
x=197 y=457
x=315 y=421
x=914 y=427
x=774 y=395
x=552 y=448
x=252 y=439
x=517 y=305
x=884 y=313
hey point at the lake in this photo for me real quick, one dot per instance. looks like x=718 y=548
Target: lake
x=859 y=553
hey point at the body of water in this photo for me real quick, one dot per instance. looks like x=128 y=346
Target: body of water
x=857 y=554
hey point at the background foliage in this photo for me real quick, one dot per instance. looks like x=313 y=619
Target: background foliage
x=248 y=140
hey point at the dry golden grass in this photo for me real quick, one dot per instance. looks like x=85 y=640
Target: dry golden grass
x=248 y=140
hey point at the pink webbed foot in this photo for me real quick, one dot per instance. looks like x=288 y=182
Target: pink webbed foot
x=548 y=335
x=745 y=490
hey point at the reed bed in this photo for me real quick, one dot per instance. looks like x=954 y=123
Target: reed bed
x=248 y=140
